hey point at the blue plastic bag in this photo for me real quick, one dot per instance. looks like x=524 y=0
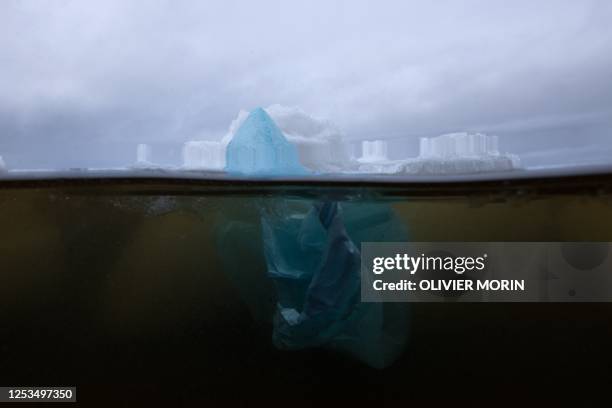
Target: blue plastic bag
x=315 y=265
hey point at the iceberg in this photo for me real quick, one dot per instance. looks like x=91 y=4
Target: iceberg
x=320 y=144
x=374 y=151
x=143 y=155
x=260 y=148
x=461 y=153
x=458 y=145
x=287 y=141
x=448 y=154
x=208 y=155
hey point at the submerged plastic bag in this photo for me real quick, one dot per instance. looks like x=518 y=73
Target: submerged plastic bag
x=303 y=274
x=315 y=266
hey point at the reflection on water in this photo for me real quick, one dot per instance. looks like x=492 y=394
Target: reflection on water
x=137 y=285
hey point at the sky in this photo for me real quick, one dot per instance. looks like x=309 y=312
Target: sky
x=83 y=82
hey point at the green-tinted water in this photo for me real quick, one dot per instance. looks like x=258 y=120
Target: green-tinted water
x=126 y=284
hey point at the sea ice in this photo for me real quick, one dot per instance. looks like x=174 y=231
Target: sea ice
x=259 y=147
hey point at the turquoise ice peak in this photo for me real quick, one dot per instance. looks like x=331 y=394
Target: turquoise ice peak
x=260 y=148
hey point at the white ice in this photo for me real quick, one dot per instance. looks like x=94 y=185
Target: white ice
x=207 y=155
x=458 y=145
x=143 y=155
x=374 y=151
x=453 y=153
x=321 y=148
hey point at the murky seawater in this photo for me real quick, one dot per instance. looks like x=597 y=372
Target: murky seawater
x=138 y=289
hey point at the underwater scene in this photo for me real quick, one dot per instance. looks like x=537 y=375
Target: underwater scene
x=137 y=289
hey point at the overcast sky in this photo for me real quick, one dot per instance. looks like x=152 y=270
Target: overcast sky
x=82 y=82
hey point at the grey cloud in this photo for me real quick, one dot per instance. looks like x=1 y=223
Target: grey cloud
x=84 y=82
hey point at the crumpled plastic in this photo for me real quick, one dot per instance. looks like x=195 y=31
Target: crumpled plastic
x=299 y=269
x=314 y=262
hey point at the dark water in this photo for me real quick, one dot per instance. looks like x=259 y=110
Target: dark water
x=122 y=288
